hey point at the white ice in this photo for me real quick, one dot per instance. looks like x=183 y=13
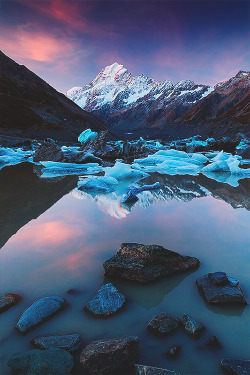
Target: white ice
x=121 y=171
x=86 y=136
x=12 y=156
x=54 y=169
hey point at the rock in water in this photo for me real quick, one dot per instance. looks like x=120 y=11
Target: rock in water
x=236 y=366
x=42 y=362
x=218 y=278
x=226 y=293
x=145 y=263
x=39 y=311
x=8 y=300
x=107 y=301
x=147 y=370
x=173 y=351
x=104 y=356
x=66 y=342
x=191 y=326
x=48 y=151
x=163 y=324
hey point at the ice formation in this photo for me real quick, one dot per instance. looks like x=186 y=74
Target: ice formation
x=100 y=184
x=12 y=156
x=54 y=169
x=122 y=171
x=87 y=136
x=133 y=191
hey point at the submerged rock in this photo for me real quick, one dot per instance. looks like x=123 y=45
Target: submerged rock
x=148 y=370
x=145 y=263
x=213 y=342
x=8 y=300
x=48 y=151
x=39 y=311
x=173 y=351
x=104 y=356
x=42 y=362
x=226 y=293
x=107 y=301
x=66 y=342
x=236 y=366
x=192 y=327
x=163 y=324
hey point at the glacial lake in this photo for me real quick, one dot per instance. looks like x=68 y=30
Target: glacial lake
x=54 y=239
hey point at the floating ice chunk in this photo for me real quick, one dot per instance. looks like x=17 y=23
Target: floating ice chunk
x=198 y=158
x=122 y=171
x=53 y=169
x=131 y=195
x=99 y=184
x=12 y=156
x=173 y=153
x=217 y=166
x=87 y=136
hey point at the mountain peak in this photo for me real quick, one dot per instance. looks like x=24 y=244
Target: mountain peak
x=111 y=73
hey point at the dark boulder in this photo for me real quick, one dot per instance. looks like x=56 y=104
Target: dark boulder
x=106 y=302
x=145 y=263
x=66 y=342
x=8 y=300
x=226 y=293
x=97 y=145
x=236 y=366
x=192 y=327
x=213 y=342
x=48 y=151
x=105 y=356
x=163 y=324
x=148 y=370
x=218 y=278
x=42 y=362
x=39 y=311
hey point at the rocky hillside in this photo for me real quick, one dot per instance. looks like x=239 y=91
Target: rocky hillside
x=31 y=108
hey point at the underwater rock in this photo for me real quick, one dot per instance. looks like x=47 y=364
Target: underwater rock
x=148 y=370
x=213 y=342
x=192 y=327
x=173 y=351
x=145 y=263
x=66 y=342
x=108 y=301
x=39 y=311
x=163 y=324
x=8 y=300
x=104 y=356
x=236 y=366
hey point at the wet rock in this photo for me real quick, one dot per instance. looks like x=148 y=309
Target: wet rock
x=236 y=366
x=148 y=370
x=163 y=324
x=8 y=300
x=107 y=301
x=173 y=351
x=145 y=263
x=42 y=362
x=39 y=311
x=218 y=278
x=48 y=151
x=66 y=342
x=213 y=342
x=192 y=327
x=226 y=293
x=104 y=356
x=96 y=146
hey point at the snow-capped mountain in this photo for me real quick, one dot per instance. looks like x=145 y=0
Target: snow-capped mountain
x=126 y=102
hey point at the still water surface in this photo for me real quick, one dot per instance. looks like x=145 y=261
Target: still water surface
x=65 y=246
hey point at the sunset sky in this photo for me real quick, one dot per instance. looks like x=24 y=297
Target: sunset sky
x=67 y=42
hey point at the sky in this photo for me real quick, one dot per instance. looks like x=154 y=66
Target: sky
x=67 y=42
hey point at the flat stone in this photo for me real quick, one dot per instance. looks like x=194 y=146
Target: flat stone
x=40 y=310
x=42 y=362
x=218 y=278
x=66 y=342
x=163 y=324
x=192 y=327
x=104 y=356
x=145 y=263
x=148 y=370
x=8 y=300
x=108 y=301
x=220 y=294
x=236 y=366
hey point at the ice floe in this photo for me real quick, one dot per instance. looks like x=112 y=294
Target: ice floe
x=87 y=136
x=100 y=184
x=54 y=169
x=121 y=171
x=12 y=156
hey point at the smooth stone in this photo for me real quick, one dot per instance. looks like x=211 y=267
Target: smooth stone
x=39 y=311
x=218 y=278
x=236 y=366
x=232 y=281
x=66 y=342
x=173 y=351
x=192 y=327
x=220 y=294
x=148 y=370
x=163 y=324
x=42 y=362
x=145 y=263
x=104 y=356
x=8 y=300
x=107 y=301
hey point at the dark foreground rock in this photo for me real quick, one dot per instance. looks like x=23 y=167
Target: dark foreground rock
x=236 y=366
x=213 y=292
x=48 y=151
x=66 y=342
x=8 y=300
x=192 y=327
x=147 y=370
x=145 y=263
x=163 y=324
x=39 y=311
x=108 y=301
x=104 y=356
x=42 y=362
